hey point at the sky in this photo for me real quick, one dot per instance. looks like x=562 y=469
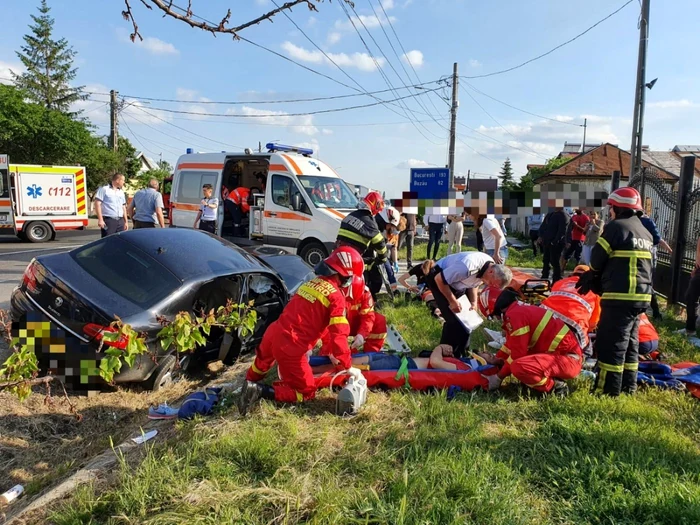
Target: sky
x=410 y=42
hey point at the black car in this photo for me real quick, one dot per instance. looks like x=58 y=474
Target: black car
x=139 y=276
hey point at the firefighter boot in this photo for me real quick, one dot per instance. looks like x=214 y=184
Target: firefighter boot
x=560 y=389
x=251 y=394
x=629 y=381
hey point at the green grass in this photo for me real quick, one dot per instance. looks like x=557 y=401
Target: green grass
x=412 y=458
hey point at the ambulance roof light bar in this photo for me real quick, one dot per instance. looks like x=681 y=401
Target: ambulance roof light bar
x=272 y=147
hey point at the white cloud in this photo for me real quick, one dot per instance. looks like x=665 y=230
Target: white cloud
x=369 y=21
x=326 y=131
x=412 y=163
x=674 y=104
x=473 y=62
x=192 y=96
x=333 y=38
x=388 y=4
x=262 y=2
x=312 y=21
x=414 y=58
x=302 y=124
x=361 y=61
x=6 y=69
x=185 y=94
x=152 y=45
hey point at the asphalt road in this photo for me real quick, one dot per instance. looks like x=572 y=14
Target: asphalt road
x=15 y=255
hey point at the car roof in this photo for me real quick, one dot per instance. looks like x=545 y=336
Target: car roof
x=193 y=254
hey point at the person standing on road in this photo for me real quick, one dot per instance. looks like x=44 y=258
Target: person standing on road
x=579 y=224
x=593 y=231
x=110 y=206
x=435 y=225
x=148 y=205
x=455 y=233
x=533 y=224
x=457 y=275
x=409 y=234
x=553 y=235
x=495 y=243
x=207 y=215
x=621 y=275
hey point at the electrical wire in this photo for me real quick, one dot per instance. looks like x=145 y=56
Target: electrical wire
x=519 y=109
x=494 y=73
x=500 y=141
x=143 y=148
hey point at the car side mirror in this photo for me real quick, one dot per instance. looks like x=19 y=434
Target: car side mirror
x=296 y=202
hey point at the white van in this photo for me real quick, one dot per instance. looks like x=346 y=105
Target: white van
x=299 y=209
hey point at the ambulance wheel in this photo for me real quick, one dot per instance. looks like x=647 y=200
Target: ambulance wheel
x=313 y=253
x=38 y=231
x=163 y=375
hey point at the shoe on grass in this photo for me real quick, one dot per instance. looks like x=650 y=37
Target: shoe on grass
x=684 y=332
x=561 y=388
x=162 y=411
x=252 y=393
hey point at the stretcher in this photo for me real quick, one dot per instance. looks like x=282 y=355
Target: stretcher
x=466 y=380
x=531 y=289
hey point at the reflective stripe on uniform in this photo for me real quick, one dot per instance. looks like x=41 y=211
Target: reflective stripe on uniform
x=257 y=370
x=611 y=368
x=619 y=296
x=300 y=397
x=355 y=307
x=377 y=336
x=505 y=349
x=540 y=327
x=539 y=383
x=639 y=254
x=311 y=294
x=555 y=342
x=574 y=297
x=509 y=360
x=337 y=320
x=353 y=236
x=605 y=245
x=367 y=310
x=631 y=366
x=520 y=331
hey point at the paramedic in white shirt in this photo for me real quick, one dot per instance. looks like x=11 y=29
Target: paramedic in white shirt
x=495 y=243
x=454 y=276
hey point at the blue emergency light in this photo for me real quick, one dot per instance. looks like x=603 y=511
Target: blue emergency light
x=272 y=147
x=190 y=151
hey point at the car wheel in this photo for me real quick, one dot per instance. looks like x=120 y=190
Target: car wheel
x=313 y=253
x=163 y=374
x=37 y=231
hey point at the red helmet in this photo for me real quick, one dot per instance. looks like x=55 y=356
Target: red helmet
x=358 y=287
x=626 y=198
x=487 y=300
x=373 y=202
x=344 y=261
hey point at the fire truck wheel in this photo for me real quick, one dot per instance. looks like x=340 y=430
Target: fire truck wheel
x=313 y=253
x=37 y=231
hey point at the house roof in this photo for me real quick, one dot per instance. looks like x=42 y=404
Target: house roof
x=601 y=162
x=149 y=162
x=686 y=149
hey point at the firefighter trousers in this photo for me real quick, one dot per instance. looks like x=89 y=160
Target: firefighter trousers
x=538 y=371
x=617 y=348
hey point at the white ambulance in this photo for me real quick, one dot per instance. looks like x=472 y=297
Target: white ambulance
x=297 y=201
x=37 y=201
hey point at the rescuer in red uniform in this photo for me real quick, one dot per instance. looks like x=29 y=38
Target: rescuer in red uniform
x=318 y=304
x=540 y=350
x=237 y=204
x=574 y=308
x=367 y=326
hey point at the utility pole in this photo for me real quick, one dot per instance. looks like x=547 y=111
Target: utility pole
x=639 y=95
x=585 y=125
x=453 y=126
x=113 y=119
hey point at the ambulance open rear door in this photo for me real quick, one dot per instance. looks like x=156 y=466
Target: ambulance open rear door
x=7 y=216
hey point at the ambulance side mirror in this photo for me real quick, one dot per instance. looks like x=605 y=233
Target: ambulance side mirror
x=296 y=202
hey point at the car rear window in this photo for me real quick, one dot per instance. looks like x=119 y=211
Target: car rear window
x=127 y=271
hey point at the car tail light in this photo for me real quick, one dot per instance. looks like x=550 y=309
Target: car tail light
x=29 y=278
x=97 y=331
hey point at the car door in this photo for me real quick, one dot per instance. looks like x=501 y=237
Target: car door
x=186 y=195
x=283 y=225
x=267 y=296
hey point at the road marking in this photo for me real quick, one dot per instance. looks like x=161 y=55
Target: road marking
x=66 y=248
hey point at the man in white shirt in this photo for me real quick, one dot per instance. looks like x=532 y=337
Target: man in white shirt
x=435 y=225
x=454 y=276
x=110 y=206
x=494 y=240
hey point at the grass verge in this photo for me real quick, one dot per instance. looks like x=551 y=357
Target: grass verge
x=412 y=458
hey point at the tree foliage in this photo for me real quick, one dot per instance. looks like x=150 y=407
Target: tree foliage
x=49 y=65
x=506 y=176
x=552 y=164
x=32 y=134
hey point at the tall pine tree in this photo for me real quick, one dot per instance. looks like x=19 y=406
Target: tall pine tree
x=506 y=176
x=49 y=65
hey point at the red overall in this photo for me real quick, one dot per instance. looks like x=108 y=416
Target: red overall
x=647 y=332
x=539 y=347
x=318 y=305
x=583 y=310
x=239 y=197
x=364 y=321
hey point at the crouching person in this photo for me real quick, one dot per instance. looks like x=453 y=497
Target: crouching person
x=367 y=326
x=319 y=304
x=540 y=350
x=648 y=337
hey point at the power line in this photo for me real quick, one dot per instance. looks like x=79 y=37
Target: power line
x=553 y=49
x=496 y=121
x=240 y=102
x=478 y=152
x=143 y=148
x=519 y=109
x=500 y=141
x=269 y=115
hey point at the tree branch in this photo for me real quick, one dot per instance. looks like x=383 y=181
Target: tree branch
x=169 y=9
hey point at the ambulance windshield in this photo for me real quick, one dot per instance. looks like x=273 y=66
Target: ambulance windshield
x=328 y=192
